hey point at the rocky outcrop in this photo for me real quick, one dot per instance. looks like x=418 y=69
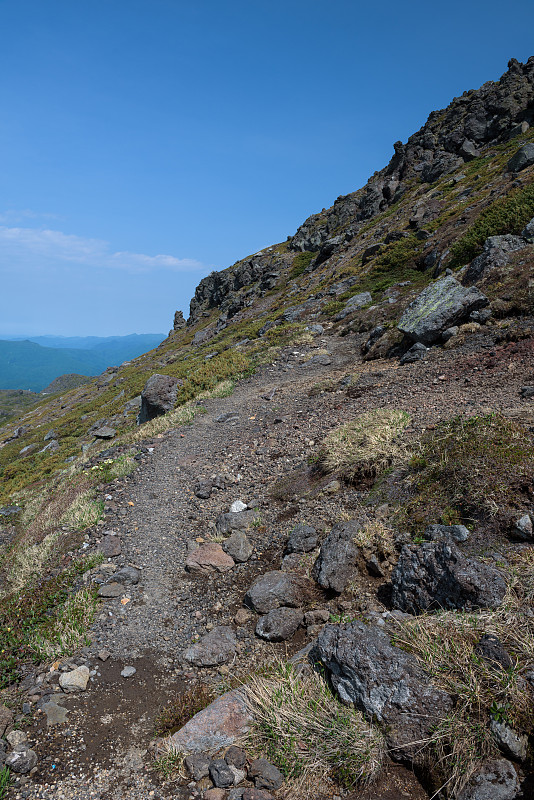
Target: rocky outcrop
x=384 y=682
x=336 y=563
x=440 y=306
x=496 y=253
x=438 y=575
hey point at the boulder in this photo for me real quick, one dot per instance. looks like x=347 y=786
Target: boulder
x=265 y=775
x=336 y=563
x=494 y=780
x=238 y=547
x=528 y=232
x=354 y=303
x=198 y=765
x=458 y=533
x=22 y=760
x=522 y=159
x=496 y=253
x=279 y=624
x=440 y=306
x=522 y=529
x=158 y=397
x=76 y=680
x=384 y=682
x=105 y=432
x=275 y=589
x=512 y=744
x=209 y=557
x=216 y=647
x=218 y=725
x=235 y=521
x=416 y=352
x=438 y=575
x=302 y=539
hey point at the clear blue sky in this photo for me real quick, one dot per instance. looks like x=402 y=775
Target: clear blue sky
x=146 y=142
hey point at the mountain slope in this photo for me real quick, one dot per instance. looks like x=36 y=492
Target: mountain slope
x=370 y=378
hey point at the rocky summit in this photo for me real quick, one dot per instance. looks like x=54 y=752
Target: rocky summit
x=289 y=553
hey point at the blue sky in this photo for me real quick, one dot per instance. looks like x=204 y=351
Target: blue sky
x=146 y=142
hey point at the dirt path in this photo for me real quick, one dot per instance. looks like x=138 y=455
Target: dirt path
x=101 y=751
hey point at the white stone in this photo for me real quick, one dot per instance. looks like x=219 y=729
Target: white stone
x=75 y=680
x=237 y=506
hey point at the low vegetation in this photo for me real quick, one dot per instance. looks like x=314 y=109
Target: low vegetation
x=362 y=449
x=310 y=736
x=508 y=214
x=174 y=715
x=470 y=468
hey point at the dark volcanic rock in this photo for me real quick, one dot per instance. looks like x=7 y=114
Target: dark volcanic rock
x=275 y=589
x=496 y=253
x=158 y=397
x=265 y=775
x=490 y=648
x=336 y=563
x=216 y=647
x=522 y=159
x=302 y=539
x=279 y=624
x=438 y=575
x=384 y=682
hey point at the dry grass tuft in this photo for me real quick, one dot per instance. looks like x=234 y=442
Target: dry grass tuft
x=444 y=644
x=376 y=537
x=309 y=734
x=181 y=416
x=67 y=631
x=175 y=715
x=365 y=447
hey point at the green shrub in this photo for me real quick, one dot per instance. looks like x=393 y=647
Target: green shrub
x=508 y=214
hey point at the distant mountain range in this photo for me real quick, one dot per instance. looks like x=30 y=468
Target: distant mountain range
x=33 y=362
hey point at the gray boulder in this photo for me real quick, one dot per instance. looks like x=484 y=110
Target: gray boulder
x=438 y=575
x=336 y=563
x=158 y=397
x=522 y=159
x=275 y=589
x=302 y=539
x=384 y=682
x=265 y=775
x=22 y=759
x=458 y=533
x=512 y=744
x=279 y=624
x=528 y=232
x=238 y=546
x=495 y=780
x=440 y=306
x=496 y=253
x=354 y=303
x=416 y=352
x=235 y=521
x=216 y=647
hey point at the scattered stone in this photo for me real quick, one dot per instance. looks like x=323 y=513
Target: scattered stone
x=22 y=760
x=374 y=567
x=55 y=714
x=237 y=506
x=316 y=617
x=494 y=780
x=209 y=557
x=216 y=647
x=215 y=727
x=336 y=563
x=103 y=655
x=6 y=719
x=442 y=304
x=522 y=529
x=198 y=765
x=221 y=774
x=320 y=360
x=316 y=329
x=274 y=589
x=158 y=397
x=416 y=352
x=127 y=672
x=257 y=794
x=127 y=576
x=105 y=432
x=16 y=737
x=110 y=546
x=522 y=159
x=265 y=775
x=230 y=416
x=438 y=575
x=236 y=757
x=75 y=680
x=491 y=649
x=384 y=682
x=510 y=743
x=449 y=333
x=238 y=547
x=214 y=794
x=458 y=533
x=279 y=624
x=110 y=590
x=203 y=489
x=242 y=616
x=235 y=521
